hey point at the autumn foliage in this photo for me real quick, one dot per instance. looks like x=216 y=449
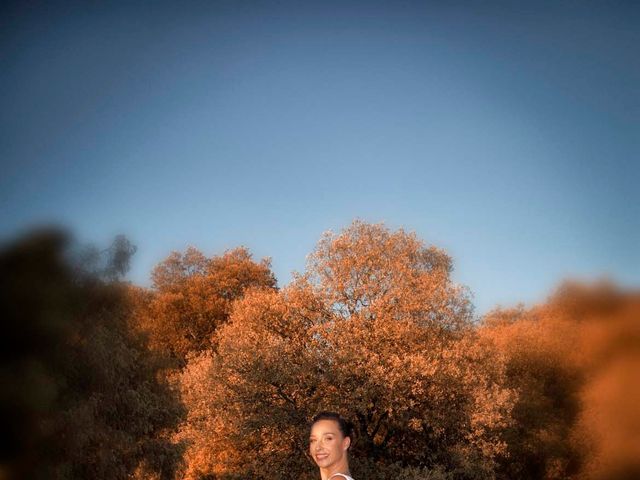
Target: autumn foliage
x=376 y=328
x=575 y=362
x=192 y=296
x=214 y=372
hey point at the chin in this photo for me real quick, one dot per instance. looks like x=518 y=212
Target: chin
x=325 y=462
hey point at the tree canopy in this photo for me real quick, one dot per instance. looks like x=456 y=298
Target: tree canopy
x=214 y=372
x=192 y=296
x=375 y=327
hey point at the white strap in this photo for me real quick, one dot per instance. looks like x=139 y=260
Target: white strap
x=342 y=475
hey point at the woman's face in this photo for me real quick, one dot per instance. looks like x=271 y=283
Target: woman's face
x=327 y=446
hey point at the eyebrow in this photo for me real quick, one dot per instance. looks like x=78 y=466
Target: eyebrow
x=323 y=434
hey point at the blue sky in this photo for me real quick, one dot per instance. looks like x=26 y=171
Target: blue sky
x=506 y=133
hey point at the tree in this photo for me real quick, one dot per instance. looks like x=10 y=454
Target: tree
x=80 y=395
x=375 y=329
x=607 y=429
x=192 y=297
x=571 y=360
x=539 y=369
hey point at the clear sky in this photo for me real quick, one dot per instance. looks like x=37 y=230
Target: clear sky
x=506 y=133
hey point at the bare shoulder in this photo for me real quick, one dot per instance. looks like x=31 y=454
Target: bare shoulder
x=340 y=475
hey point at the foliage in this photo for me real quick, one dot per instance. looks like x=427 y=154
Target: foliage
x=192 y=296
x=375 y=328
x=81 y=398
x=572 y=361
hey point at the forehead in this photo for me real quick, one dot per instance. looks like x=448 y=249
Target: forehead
x=322 y=427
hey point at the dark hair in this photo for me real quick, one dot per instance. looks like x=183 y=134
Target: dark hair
x=345 y=426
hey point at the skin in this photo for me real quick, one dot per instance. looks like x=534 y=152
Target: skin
x=328 y=448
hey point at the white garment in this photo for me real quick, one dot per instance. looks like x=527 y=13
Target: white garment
x=346 y=477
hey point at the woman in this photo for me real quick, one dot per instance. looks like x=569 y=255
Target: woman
x=329 y=441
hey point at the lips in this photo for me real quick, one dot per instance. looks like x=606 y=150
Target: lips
x=321 y=456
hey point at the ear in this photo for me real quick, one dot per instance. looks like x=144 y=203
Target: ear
x=346 y=443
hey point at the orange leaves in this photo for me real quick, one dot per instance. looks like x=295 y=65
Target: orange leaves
x=608 y=427
x=573 y=361
x=194 y=294
x=375 y=329
x=374 y=272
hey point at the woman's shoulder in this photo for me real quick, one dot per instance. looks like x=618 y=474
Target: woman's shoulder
x=346 y=477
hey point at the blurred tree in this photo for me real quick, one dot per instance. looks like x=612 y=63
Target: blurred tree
x=547 y=382
x=376 y=329
x=110 y=264
x=192 y=297
x=571 y=360
x=80 y=396
x=607 y=431
x=119 y=257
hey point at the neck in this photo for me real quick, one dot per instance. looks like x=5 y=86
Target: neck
x=342 y=467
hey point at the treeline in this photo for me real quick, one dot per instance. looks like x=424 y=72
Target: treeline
x=214 y=371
